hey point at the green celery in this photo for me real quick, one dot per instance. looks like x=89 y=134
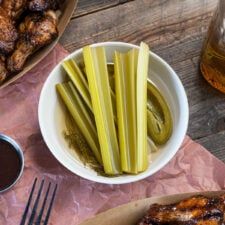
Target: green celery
x=76 y=108
x=110 y=67
x=78 y=79
x=141 y=103
x=86 y=112
x=97 y=74
x=125 y=66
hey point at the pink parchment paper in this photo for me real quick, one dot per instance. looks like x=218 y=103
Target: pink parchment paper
x=192 y=169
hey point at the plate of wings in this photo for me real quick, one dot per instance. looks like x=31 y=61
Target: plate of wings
x=29 y=29
x=200 y=208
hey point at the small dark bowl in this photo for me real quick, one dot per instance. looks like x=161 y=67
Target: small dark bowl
x=19 y=153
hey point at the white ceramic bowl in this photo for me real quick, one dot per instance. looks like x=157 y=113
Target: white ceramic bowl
x=52 y=120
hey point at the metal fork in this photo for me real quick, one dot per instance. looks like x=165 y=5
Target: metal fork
x=35 y=206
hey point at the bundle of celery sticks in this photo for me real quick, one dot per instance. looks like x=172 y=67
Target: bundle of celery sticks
x=116 y=108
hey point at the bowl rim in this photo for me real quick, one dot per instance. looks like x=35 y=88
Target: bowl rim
x=184 y=114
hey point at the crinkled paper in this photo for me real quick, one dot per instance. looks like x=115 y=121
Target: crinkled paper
x=192 y=169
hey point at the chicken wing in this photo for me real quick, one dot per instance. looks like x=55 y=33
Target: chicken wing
x=197 y=210
x=3 y=70
x=14 y=8
x=37 y=30
x=42 y=5
x=8 y=33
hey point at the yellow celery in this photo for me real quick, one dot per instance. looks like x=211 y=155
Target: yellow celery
x=78 y=79
x=110 y=67
x=80 y=82
x=75 y=106
x=97 y=74
x=141 y=100
x=125 y=66
x=86 y=112
x=165 y=124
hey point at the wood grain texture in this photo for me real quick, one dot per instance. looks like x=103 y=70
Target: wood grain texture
x=86 y=6
x=175 y=30
x=159 y=23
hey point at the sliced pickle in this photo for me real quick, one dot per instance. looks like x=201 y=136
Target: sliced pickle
x=160 y=124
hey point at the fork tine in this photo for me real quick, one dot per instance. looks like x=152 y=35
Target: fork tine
x=36 y=204
x=50 y=206
x=23 y=220
x=38 y=221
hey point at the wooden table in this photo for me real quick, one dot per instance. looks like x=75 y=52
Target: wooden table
x=175 y=30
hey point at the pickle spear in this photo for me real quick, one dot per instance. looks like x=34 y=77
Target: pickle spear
x=160 y=124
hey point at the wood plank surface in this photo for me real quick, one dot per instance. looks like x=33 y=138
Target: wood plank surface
x=86 y=6
x=175 y=30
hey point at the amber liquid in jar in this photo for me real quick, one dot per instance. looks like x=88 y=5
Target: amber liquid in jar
x=213 y=66
x=212 y=62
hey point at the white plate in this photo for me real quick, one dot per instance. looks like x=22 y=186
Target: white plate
x=52 y=121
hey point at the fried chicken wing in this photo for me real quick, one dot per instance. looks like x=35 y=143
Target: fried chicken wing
x=14 y=8
x=17 y=60
x=8 y=33
x=37 y=30
x=198 y=210
x=42 y=5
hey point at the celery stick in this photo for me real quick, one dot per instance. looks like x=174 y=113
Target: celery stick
x=125 y=84
x=80 y=82
x=110 y=68
x=78 y=79
x=86 y=113
x=141 y=99
x=73 y=102
x=97 y=74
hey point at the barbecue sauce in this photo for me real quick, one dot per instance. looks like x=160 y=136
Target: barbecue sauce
x=10 y=164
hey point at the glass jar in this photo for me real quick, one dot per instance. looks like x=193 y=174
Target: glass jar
x=212 y=62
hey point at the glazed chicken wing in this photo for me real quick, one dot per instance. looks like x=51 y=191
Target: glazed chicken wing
x=14 y=8
x=8 y=33
x=37 y=30
x=197 y=210
x=42 y=5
